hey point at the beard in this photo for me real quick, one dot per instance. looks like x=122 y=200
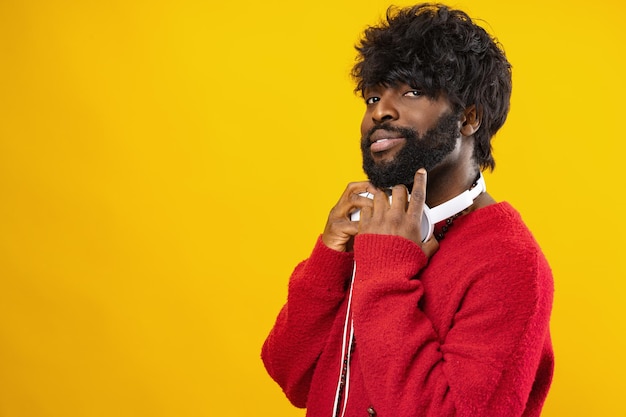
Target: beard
x=425 y=151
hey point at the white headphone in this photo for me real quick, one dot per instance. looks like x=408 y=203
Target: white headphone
x=432 y=216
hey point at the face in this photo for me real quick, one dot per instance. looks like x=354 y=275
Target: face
x=402 y=131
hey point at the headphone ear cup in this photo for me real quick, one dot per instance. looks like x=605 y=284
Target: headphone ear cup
x=427 y=226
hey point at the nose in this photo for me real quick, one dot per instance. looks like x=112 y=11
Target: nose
x=385 y=110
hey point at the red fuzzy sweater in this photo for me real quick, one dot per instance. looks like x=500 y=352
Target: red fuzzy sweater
x=465 y=333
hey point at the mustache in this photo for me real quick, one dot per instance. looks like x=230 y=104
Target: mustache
x=407 y=132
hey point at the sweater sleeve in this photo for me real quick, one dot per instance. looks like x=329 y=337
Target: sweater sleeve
x=483 y=365
x=316 y=290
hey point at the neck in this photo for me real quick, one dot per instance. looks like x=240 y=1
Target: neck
x=459 y=204
x=454 y=175
x=444 y=185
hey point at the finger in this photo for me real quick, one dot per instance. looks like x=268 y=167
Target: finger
x=418 y=195
x=364 y=200
x=351 y=200
x=355 y=188
x=399 y=198
x=338 y=234
x=360 y=198
x=366 y=213
x=380 y=198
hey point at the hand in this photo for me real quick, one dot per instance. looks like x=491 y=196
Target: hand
x=340 y=230
x=401 y=217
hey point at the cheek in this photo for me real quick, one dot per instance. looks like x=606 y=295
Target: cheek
x=421 y=121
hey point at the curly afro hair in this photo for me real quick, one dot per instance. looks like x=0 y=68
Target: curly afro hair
x=440 y=51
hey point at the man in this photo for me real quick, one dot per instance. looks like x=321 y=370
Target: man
x=385 y=320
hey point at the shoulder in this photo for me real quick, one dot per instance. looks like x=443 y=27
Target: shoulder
x=495 y=242
x=499 y=265
x=499 y=228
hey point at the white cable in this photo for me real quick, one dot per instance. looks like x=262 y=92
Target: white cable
x=345 y=350
x=346 y=388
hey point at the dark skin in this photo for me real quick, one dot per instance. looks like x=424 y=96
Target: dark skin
x=403 y=105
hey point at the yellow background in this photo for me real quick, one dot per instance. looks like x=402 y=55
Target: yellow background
x=165 y=164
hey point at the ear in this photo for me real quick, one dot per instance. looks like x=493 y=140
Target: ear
x=470 y=122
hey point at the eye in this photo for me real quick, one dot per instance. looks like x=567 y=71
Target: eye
x=371 y=100
x=413 y=93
